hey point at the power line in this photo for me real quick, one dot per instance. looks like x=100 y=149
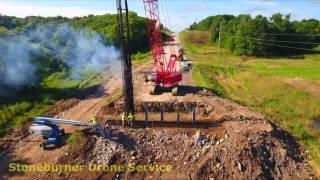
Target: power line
x=292 y=42
x=166 y=21
x=287 y=34
x=290 y=47
x=166 y=6
x=276 y=45
x=163 y=14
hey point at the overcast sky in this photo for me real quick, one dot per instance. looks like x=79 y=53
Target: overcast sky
x=176 y=14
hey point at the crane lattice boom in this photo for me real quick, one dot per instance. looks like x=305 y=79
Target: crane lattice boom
x=166 y=73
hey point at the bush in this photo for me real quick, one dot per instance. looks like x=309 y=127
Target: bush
x=198 y=37
x=75 y=139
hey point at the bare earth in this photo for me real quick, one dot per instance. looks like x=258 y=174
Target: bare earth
x=235 y=143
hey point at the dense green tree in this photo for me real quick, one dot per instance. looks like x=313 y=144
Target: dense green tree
x=106 y=25
x=244 y=35
x=3 y=29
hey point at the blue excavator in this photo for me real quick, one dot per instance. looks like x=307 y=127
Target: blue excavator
x=52 y=134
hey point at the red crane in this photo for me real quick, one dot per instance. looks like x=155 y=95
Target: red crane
x=167 y=75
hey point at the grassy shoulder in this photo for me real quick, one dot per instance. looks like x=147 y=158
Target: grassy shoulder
x=255 y=82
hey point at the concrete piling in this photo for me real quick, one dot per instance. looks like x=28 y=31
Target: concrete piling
x=146 y=112
x=162 y=114
x=193 y=116
x=178 y=118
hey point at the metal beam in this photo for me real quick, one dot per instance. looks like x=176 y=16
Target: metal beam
x=124 y=38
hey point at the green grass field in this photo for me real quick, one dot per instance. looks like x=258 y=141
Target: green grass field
x=141 y=58
x=256 y=83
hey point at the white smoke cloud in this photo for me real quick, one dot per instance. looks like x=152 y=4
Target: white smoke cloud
x=79 y=50
x=16 y=68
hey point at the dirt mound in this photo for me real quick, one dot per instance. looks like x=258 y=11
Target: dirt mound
x=80 y=154
x=254 y=153
x=248 y=149
x=240 y=150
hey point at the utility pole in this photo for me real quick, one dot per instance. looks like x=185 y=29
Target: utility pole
x=124 y=37
x=219 y=39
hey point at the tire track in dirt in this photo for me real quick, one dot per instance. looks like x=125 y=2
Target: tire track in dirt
x=311 y=87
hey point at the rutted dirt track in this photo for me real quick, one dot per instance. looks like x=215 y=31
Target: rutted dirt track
x=236 y=144
x=311 y=87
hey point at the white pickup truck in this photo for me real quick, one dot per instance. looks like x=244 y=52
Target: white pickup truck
x=185 y=65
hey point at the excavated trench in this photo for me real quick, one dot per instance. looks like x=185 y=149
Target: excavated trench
x=165 y=112
x=169 y=107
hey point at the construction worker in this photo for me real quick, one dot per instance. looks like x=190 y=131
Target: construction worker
x=94 y=122
x=181 y=52
x=131 y=119
x=123 y=118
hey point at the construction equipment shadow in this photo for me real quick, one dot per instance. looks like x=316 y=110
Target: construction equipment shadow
x=127 y=142
x=184 y=90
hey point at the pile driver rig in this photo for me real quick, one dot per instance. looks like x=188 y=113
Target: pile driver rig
x=124 y=37
x=167 y=74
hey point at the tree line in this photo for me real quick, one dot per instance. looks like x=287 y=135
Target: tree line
x=106 y=25
x=53 y=78
x=259 y=35
x=23 y=31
